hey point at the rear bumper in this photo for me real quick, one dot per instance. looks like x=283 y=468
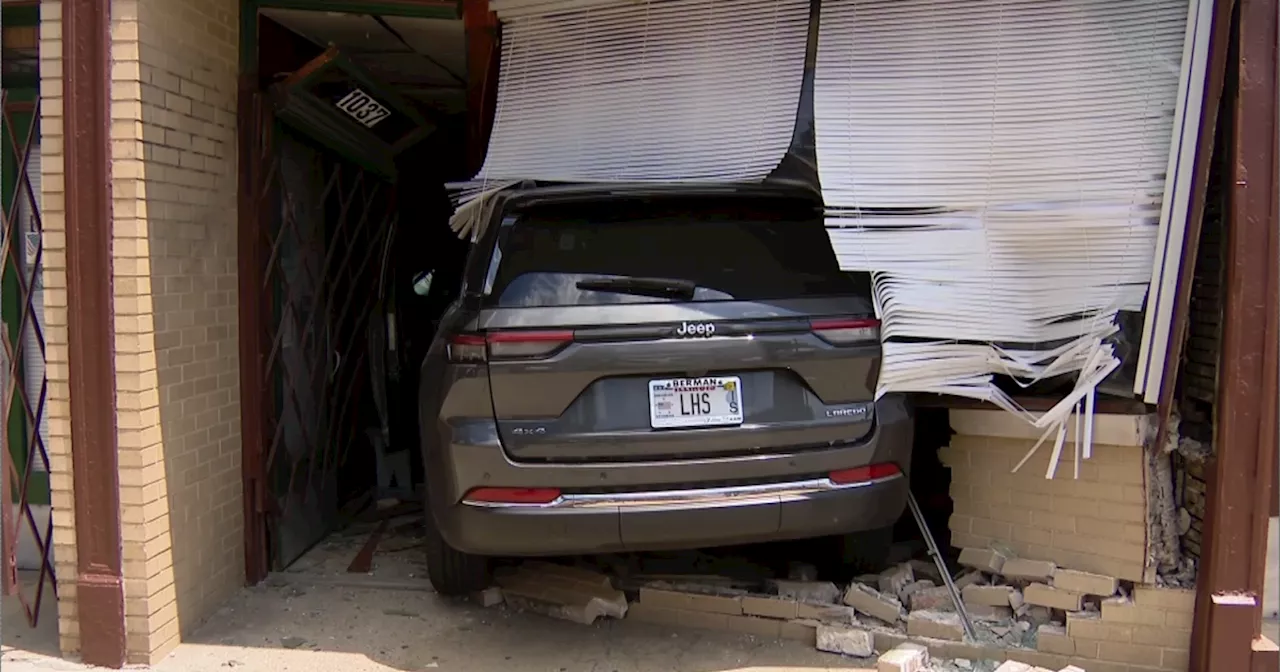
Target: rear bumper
x=659 y=505
x=638 y=525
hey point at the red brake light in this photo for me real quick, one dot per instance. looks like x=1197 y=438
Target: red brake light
x=518 y=344
x=871 y=472
x=847 y=331
x=512 y=495
x=507 y=345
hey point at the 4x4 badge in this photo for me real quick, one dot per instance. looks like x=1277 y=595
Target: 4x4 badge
x=696 y=330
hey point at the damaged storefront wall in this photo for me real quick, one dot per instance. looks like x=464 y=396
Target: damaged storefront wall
x=1009 y=177
x=1029 y=615
x=1014 y=178
x=1005 y=175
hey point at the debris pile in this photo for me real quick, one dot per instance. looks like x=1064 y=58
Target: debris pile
x=1028 y=615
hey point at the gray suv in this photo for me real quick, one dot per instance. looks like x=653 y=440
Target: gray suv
x=649 y=369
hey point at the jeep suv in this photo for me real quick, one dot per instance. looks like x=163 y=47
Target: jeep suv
x=649 y=369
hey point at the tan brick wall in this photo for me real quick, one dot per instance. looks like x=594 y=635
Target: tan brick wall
x=173 y=94
x=174 y=175
x=58 y=409
x=1097 y=523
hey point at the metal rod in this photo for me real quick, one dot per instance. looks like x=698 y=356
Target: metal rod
x=942 y=566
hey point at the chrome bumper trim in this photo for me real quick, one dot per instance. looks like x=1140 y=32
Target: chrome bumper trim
x=744 y=495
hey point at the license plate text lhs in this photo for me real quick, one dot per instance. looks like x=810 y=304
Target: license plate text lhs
x=695 y=402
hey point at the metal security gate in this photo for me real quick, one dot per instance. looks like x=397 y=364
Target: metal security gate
x=27 y=523
x=324 y=224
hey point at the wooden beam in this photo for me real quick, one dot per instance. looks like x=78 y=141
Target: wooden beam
x=482 y=78
x=86 y=72
x=1230 y=582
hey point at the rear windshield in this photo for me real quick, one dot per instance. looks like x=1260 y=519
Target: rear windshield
x=721 y=250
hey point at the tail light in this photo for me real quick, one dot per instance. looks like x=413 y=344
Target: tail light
x=847 y=331
x=512 y=496
x=466 y=348
x=507 y=345
x=871 y=472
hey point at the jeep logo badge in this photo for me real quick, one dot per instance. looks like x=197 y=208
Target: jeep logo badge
x=692 y=330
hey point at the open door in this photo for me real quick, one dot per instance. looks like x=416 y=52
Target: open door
x=326 y=208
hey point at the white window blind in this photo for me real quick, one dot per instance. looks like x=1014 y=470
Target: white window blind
x=999 y=167
x=642 y=91
x=1157 y=325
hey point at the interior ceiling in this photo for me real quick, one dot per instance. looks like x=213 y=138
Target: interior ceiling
x=425 y=60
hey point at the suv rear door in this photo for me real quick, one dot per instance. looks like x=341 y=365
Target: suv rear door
x=591 y=311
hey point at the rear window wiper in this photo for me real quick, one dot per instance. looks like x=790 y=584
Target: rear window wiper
x=673 y=288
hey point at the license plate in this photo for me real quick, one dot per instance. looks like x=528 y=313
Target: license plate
x=695 y=402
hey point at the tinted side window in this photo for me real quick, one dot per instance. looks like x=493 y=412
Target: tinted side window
x=728 y=252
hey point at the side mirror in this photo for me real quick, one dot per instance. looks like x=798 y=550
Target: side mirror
x=422 y=283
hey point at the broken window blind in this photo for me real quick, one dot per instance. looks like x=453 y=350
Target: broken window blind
x=642 y=91
x=1157 y=325
x=999 y=169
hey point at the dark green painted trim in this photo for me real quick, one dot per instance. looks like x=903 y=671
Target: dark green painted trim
x=20 y=15
x=437 y=10
x=248 y=36
x=29 y=82
x=17 y=94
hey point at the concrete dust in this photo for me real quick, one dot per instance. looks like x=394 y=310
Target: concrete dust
x=319 y=618
x=341 y=629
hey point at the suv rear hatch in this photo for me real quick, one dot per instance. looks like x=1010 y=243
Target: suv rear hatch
x=674 y=329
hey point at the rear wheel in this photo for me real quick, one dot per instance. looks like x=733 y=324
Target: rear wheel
x=452 y=572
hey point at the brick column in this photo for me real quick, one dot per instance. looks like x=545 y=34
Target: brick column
x=58 y=409
x=173 y=152
x=173 y=96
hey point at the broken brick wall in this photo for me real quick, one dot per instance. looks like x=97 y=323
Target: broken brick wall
x=1097 y=523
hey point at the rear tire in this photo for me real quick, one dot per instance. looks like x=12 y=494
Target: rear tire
x=452 y=572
